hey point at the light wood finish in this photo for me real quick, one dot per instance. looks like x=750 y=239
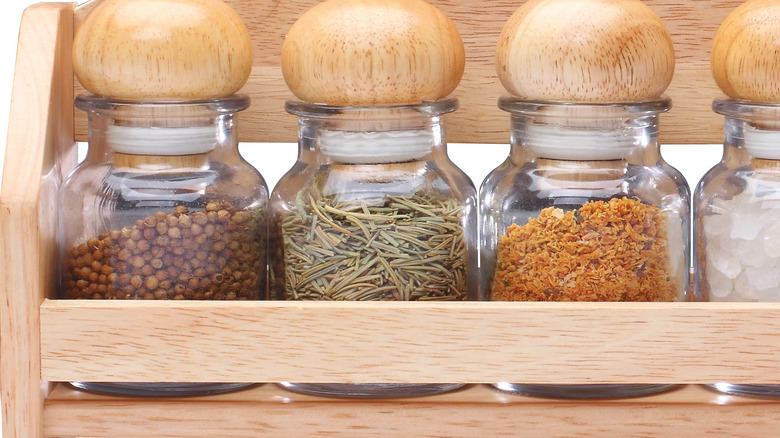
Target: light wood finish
x=201 y=50
x=660 y=342
x=373 y=52
x=692 y=24
x=477 y=411
x=39 y=144
x=745 y=55
x=410 y=342
x=622 y=51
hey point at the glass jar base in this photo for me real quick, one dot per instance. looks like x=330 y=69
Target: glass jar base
x=747 y=390
x=160 y=389
x=582 y=391
x=371 y=390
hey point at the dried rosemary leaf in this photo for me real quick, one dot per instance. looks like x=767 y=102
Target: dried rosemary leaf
x=411 y=248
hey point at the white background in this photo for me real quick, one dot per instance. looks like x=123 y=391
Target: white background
x=692 y=160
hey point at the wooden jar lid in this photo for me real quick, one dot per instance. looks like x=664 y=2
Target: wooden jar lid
x=162 y=50
x=372 y=53
x=745 y=56
x=585 y=51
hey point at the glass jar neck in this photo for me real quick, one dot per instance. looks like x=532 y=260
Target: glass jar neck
x=161 y=135
x=371 y=135
x=585 y=132
x=751 y=130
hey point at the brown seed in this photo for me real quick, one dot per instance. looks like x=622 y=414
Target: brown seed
x=131 y=245
x=136 y=281
x=147 y=270
x=136 y=234
x=156 y=263
x=161 y=227
x=185 y=221
x=151 y=282
x=174 y=233
x=200 y=218
x=212 y=206
x=240 y=217
x=161 y=275
x=180 y=209
x=138 y=261
x=143 y=245
x=172 y=221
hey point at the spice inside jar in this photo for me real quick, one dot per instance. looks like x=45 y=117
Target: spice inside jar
x=616 y=250
x=209 y=254
x=408 y=248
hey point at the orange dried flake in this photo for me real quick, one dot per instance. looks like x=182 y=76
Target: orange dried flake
x=609 y=251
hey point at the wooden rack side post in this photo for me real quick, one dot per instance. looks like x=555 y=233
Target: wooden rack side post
x=40 y=149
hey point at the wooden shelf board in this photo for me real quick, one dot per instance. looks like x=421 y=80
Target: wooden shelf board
x=270 y=411
x=470 y=342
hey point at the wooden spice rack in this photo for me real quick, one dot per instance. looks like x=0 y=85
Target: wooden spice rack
x=46 y=341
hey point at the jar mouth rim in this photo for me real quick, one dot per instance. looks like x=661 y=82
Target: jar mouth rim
x=316 y=110
x=732 y=107
x=178 y=108
x=518 y=105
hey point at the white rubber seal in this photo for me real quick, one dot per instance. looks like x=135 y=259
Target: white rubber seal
x=559 y=143
x=760 y=143
x=376 y=147
x=161 y=141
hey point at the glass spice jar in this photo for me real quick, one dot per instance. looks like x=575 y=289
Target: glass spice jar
x=373 y=210
x=737 y=216
x=584 y=209
x=163 y=208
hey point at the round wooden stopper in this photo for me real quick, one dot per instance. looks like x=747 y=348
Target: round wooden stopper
x=746 y=52
x=162 y=50
x=585 y=51
x=372 y=53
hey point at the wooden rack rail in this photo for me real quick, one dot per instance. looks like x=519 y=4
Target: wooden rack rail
x=46 y=341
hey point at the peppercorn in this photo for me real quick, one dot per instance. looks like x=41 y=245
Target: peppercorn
x=179 y=255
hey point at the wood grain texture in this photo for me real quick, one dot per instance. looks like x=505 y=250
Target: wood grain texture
x=476 y=411
x=39 y=144
x=476 y=342
x=692 y=24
